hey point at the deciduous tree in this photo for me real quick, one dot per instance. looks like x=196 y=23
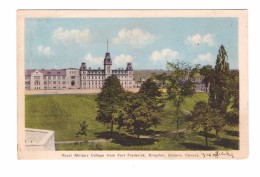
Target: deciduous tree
x=206 y=71
x=179 y=85
x=142 y=112
x=109 y=102
x=204 y=118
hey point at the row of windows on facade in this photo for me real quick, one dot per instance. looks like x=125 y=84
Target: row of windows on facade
x=64 y=87
x=64 y=82
x=102 y=72
x=73 y=77
x=90 y=87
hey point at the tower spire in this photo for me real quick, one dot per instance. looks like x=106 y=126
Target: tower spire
x=107 y=45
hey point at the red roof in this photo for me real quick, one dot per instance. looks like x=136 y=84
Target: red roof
x=50 y=72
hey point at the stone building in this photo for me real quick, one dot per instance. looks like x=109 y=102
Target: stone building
x=39 y=140
x=78 y=78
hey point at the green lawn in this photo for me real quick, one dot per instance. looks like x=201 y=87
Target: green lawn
x=62 y=113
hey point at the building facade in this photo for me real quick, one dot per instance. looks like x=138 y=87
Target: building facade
x=74 y=78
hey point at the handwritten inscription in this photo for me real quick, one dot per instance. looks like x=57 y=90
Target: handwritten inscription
x=218 y=154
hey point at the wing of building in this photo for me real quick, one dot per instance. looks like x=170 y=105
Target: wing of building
x=78 y=78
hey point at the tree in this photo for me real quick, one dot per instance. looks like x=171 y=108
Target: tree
x=109 y=102
x=179 y=85
x=142 y=112
x=150 y=89
x=206 y=72
x=218 y=121
x=219 y=90
x=204 y=118
x=83 y=130
x=232 y=116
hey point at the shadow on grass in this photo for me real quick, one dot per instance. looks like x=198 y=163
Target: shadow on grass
x=126 y=140
x=195 y=146
x=210 y=135
x=232 y=133
x=228 y=143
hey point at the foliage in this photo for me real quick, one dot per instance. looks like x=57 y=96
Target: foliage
x=179 y=85
x=232 y=118
x=83 y=130
x=206 y=71
x=234 y=86
x=109 y=102
x=38 y=115
x=219 y=91
x=141 y=112
x=150 y=89
x=205 y=118
x=232 y=115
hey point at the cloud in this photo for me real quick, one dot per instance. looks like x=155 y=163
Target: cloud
x=122 y=60
x=199 y=39
x=135 y=37
x=203 y=58
x=73 y=35
x=164 y=55
x=91 y=60
x=45 y=50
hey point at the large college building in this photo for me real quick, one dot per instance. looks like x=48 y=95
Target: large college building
x=74 y=78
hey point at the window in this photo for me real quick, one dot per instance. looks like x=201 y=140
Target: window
x=63 y=82
x=63 y=77
x=72 y=77
x=27 y=82
x=45 y=77
x=45 y=82
x=54 y=82
x=36 y=77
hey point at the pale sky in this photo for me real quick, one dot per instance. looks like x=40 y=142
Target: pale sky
x=56 y=43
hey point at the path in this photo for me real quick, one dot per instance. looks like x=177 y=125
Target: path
x=110 y=140
x=89 y=141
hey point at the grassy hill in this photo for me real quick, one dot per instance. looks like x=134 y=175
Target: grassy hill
x=62 y=113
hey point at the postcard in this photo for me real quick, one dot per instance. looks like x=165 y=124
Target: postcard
x=132 y=84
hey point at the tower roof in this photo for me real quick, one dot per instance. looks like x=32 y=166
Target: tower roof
x=107 y=60
x=129 y=67
x=83 y=67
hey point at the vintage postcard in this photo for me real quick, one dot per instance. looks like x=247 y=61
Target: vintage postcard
x=132 y=84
